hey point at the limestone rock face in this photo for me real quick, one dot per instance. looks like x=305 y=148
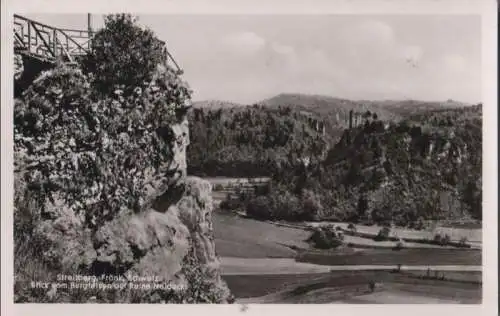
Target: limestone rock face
x=195 y=209
x=159 y=241
x=68 y=240
x=176 y=169
x=149 y=243
x=170 y=239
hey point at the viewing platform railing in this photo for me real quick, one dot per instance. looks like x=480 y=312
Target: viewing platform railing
x=49 y=44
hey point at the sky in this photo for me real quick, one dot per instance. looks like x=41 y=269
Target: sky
x=247 y=58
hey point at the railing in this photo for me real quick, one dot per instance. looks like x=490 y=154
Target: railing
x=169 y=58
x=50 y=43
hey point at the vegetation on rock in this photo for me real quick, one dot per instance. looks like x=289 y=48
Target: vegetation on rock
x=94 y=150
x=123 y=55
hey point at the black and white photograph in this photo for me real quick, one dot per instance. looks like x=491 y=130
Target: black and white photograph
x=176 y=158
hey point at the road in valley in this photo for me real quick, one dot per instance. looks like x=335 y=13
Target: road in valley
x=259 y=266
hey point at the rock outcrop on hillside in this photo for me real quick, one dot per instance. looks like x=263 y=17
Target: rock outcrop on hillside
x=169 y=237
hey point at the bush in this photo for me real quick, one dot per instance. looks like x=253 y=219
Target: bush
x=463 y=242
x=326 y=237
x=399 y=245
x=383 y=234
x=442 y=240
x=260 y=208
x=418 y=225
x=311 y=205
x=381 y=217
x=286 y=206
x=351 y=227
x=123 y=54
x=371 y=285
x=283 y=205
x=230 y=204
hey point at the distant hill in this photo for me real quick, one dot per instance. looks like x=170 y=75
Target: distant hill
x=338 y=107
x=334 y=112
x=409 y=107
x=216 y=104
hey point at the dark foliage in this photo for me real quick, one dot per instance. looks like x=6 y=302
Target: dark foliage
x=326 y=237
x=383 y=234
x=396 y=173
x=123 y=54
x=251 y=141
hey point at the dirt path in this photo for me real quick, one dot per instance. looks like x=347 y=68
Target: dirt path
x=256 y=266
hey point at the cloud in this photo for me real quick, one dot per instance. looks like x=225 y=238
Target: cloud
x=245 y=42
x=355 y=59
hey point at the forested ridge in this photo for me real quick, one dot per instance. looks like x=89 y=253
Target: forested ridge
x=425 y=165
x=251 y=141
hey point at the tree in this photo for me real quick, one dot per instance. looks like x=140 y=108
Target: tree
x=326 y=237
x=123 y=54
x=351 y=227
x=383 y=234
x=362 y=206
x=311 y=205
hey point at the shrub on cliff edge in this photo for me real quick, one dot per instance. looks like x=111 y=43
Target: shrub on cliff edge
x=123 y=54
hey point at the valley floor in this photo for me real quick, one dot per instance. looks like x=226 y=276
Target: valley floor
x=351 y=287
x=265 y=262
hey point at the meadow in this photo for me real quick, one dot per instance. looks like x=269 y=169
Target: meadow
x=271 y=262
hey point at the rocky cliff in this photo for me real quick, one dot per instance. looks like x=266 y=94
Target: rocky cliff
x=168 y=237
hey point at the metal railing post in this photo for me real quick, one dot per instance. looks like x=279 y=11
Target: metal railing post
x=54 y=44
x=29 y=37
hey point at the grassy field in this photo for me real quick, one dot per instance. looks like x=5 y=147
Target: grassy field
x=396 y=297
x=352 y=287
x=247 y=238
x=242 y=240
x=388 y=257
x=456 y=233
